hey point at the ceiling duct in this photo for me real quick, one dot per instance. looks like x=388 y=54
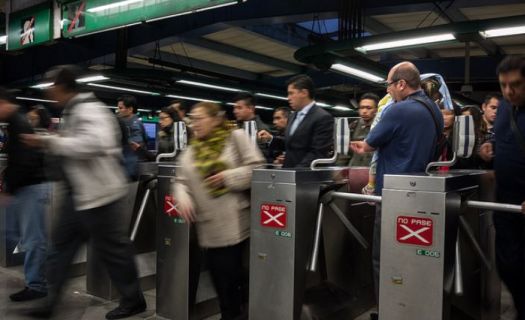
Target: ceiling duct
x=351 y=19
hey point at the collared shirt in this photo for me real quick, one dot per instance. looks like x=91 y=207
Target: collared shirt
x=300 y=116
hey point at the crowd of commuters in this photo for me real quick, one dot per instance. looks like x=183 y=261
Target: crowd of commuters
x=97 y=156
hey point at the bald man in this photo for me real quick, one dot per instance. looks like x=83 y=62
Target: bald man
x=405 y=137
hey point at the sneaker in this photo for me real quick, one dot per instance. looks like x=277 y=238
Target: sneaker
x=374 y=316
x=124 y=312
x=27 y=294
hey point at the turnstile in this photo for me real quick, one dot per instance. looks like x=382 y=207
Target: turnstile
x=432 y=266
x=178 y=258
x=285 y=208
x=139 y=213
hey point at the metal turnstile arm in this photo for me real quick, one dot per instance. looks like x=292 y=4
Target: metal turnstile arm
x=458 y=272
x=356 y=197
x=463 y=224
x=317 y=239
x=494 y=206
x=151 y=185
x=353 y=231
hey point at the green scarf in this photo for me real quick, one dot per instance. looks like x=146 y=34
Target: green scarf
x=207 y=153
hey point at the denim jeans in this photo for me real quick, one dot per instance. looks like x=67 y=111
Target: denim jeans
x=29 y=207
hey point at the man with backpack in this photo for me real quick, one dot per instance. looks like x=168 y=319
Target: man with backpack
x=405 y=138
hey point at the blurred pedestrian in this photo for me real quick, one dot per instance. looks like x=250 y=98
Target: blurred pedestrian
x=215 y=173
x=89 y=144
x=28 y=192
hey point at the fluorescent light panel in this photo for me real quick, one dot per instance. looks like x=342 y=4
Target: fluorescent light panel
x=206 y=85
x=190 y=98
x=501 y=32
x=342 y=108
x=263 y=108
x=92 y=78
x=322 y=104
x=356 y=72
x=81 y=80
x=123 y=89
x=406 y=42
x=113 y=5
x=3 y=39
x=270 y=96
x=35 y=99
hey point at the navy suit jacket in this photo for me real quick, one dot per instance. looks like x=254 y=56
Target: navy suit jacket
x=313 y=139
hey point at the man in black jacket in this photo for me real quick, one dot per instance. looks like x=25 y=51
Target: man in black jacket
x=309 y=135
x=28 y=196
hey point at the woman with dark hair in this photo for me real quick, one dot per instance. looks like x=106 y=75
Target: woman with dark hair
x=38 y=117
x=167 y=117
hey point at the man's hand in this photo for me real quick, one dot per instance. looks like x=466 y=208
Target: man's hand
x=359 y=147
x=135 y=146
x=264 y=136
x=32 y=140
x=279 y=159
x=186 y=210
x=215 y=181
x=486 y=152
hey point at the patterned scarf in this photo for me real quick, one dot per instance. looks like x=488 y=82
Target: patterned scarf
x=207 y=153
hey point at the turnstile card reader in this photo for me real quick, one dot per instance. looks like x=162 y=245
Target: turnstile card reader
x=419 y=226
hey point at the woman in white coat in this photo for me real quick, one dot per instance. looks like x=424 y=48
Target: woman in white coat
x=211 y=190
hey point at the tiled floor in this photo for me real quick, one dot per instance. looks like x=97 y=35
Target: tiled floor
x=78 y=305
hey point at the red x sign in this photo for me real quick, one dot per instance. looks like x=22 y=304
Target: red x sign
x=273 y=215
x=414 y=230
x=171 y=206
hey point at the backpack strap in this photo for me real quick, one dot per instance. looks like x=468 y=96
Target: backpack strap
x=425 y=103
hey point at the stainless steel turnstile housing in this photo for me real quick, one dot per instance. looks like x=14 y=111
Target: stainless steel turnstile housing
x=420 y=254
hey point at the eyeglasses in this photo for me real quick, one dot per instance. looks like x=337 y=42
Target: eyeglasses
x=388 y=84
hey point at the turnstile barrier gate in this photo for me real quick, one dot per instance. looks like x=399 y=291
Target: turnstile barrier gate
x=285 y=209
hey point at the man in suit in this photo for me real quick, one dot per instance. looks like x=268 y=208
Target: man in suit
x=309 y=135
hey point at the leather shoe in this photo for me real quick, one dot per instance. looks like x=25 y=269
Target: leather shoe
x=124 y=312
x=27 y=294
x=374 y=316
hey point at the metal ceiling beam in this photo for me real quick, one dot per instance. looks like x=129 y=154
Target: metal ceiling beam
x=199 y=66
x=453 y=14
x=244 y=54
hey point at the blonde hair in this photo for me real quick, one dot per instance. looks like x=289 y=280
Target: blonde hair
x=212 y=110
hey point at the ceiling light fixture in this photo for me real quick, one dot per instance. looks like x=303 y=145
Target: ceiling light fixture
x=322 y=104
x=190 y=98
x=342 y=108
x=123 y=89
x=501 y=32
x=357 y=72
x=81 y=80
x=112 y=5
x=406 y=42
x=92 y=78
x=263 y=108
x=206 y=85
x=35 y=99
x=270 y=96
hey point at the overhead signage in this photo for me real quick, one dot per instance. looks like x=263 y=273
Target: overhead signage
x=29 y=27
x=88 y=16
x=273 y=215
x=414 y=230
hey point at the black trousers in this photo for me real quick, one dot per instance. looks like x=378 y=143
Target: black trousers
x=510 y=256
x=376 y=250
x=226 y=271
x=109 y=237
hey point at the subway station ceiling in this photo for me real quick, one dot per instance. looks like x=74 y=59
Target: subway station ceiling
x=252 y=46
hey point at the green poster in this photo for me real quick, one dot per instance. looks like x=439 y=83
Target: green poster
x=29 y=27
x=87 y=16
